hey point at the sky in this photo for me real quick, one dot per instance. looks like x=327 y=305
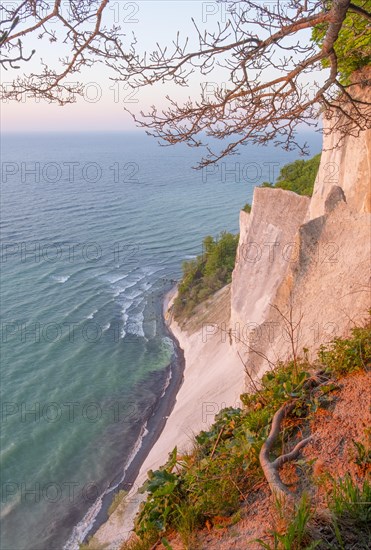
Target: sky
x=103 y=106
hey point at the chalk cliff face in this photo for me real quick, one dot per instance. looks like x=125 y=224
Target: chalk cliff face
x=347 y=164
x=266 y=243
x=305 y=259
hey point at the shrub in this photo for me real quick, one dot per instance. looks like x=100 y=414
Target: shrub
x=164 y=494
x=206 y=274
x=345 y=355
x=298 y=176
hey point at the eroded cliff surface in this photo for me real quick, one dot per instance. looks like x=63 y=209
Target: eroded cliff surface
x=266 y=241
x=345 y=162
x=302 y=274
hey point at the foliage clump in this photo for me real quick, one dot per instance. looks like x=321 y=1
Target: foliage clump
x=298 y=176
x=344 y=355
x=353 y=46
x=207 y=273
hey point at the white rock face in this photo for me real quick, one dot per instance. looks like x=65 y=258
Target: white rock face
x=327 y=287
x=266 y=244
x=346 y=162
x=244 y=225
x=347 y=165
x=305 y=258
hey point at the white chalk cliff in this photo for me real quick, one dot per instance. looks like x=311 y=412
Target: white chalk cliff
x=306 y=257
x=347 y=165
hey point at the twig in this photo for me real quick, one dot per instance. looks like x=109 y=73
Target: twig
x=216 y=442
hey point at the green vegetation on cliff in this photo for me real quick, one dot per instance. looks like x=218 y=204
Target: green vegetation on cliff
x=298 y=176
x=247 y=208
x=353 y=46
x=208 y=486
x=207 y=273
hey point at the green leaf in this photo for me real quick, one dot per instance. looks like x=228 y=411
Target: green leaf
x=165 y=542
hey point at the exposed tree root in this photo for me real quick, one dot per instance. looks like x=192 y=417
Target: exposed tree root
x=271 y=468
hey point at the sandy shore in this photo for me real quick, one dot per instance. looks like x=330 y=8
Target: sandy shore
x=213 y=379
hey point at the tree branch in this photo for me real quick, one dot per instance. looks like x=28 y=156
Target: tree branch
x=267 y=95
x=80 y=28
x=360 y=11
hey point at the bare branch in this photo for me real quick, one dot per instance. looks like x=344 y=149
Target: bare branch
x=80 y=29
x=268 y=89
x=267 y=93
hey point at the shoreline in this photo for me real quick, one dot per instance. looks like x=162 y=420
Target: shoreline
x=152 y=429
x=213 y=379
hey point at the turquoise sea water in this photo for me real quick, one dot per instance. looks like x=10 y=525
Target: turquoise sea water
x=94 y=228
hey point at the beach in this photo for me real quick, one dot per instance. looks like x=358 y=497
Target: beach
x=212 y=379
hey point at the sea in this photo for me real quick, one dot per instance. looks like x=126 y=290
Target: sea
x=94 y=230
